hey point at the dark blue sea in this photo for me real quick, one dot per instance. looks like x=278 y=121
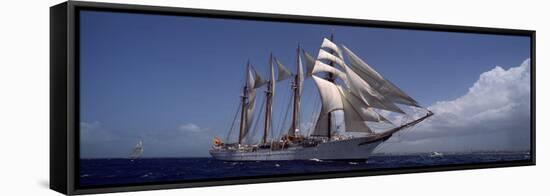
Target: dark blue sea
x=99 y=172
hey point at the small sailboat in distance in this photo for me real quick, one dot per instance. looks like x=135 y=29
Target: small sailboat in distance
x=137 y=151
x=436 y=154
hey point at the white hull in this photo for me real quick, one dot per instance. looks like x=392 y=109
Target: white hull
x=349 y=149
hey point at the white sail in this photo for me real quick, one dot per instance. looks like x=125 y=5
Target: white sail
x=332 y=46
x=324 y=55
x=300 y=73
x=258 y=79
x=371 y=96
x=370 y=74
x=376 y=80
x=323 y=67
x=310 y=63
x=400 y=96
x=321 y=126
x=353 y=120
x=283 y=72
x=250 y=112
x=251 y=99
x=330 y=95
x=331 y=101
x=272 y=78
x=250 y=79
x=359 y=107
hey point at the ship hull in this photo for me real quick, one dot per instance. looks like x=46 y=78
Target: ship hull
x=350 y=149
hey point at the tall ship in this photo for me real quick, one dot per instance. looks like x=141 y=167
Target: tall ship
x=353 y=98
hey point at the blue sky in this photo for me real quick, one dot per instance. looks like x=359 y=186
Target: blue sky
x=174 y=81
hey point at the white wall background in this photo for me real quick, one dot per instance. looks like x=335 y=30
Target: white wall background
x=24 y=96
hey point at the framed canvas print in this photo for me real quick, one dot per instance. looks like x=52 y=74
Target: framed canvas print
x=146 y=97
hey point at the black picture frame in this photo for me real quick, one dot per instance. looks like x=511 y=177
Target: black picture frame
x=64 y=93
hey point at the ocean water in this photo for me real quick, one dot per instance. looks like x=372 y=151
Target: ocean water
x=98 y=172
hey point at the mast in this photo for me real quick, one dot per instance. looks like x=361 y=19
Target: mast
x=269 y=100
x=243 y=105
x=330 y=78
x=296 y=90
x=243 y=111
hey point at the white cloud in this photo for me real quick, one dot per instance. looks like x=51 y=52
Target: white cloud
x=497 y=98
x=495 y=112
x=190 y=127
x=94 y=132
x=86 y=126
x=498 y=94
x=98 y=141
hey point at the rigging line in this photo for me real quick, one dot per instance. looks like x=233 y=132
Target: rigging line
x=285 y=119
x=270 y=136
x=316 y=110
x=273 y=116
x=256 y=121
x=383 y=146
x=313 y=110
x=404 y=122
x=401 y=135
x=406 y=131
x=271 y=126
x=228 y=135
x=281 y=130
x=280 y=123
x=304 y=92
x=231 y=128
x=386 y=144
x=408 y=117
